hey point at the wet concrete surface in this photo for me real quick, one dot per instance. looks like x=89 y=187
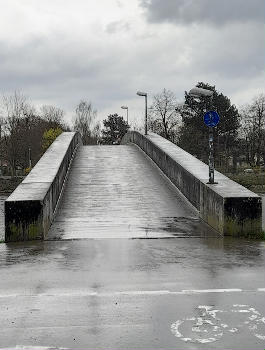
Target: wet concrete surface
x=127 y=294
x=118 y=192
x=86 y=288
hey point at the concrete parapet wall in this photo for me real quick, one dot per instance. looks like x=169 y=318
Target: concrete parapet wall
x=30 y=209
x=227 y=206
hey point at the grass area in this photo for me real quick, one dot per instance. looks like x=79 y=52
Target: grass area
x=254 y=181
x=9 y=184
x=260 y=236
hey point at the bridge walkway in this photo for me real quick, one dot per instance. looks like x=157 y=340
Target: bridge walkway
x=118 y=192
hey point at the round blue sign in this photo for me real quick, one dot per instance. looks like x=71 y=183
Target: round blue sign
x=211 y=118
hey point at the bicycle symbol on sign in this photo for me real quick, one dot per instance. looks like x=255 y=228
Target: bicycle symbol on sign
x=207 y=327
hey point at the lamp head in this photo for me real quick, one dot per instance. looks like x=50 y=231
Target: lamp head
x=140 y=93
x=124 y=107
x=200 y=92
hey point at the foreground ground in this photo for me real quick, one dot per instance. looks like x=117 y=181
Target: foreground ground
x=133 y=294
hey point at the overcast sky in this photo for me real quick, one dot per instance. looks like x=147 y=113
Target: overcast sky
x=61 y=51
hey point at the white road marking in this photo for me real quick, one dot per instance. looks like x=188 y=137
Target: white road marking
x=133 y=292
x=212 y=291
x=29 y=347
x=207 y=327
x=144 y=292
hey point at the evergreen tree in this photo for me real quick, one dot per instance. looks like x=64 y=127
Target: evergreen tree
x=115 y=127
x=194 y=133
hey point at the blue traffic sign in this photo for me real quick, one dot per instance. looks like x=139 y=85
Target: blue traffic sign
x=211 y=118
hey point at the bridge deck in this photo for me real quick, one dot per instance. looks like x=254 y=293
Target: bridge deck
x=118 y=192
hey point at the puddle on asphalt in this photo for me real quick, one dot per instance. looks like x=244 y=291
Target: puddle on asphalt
x=182 y=227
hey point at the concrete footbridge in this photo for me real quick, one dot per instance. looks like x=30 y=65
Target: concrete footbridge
x=146 y=187
x=127 y=247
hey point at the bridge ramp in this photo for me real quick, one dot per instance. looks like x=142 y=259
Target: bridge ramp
x=118 y=192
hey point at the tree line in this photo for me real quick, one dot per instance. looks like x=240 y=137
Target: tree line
x=26 y=132
x=23 y=132
x=238 y=138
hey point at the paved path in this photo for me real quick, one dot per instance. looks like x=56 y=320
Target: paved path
x=118 y=192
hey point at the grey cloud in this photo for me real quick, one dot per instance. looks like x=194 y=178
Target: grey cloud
x=231 y=54
x=50 y=72
x=119 y=4
x=199 y=11
x=117 y=26
x=61 y=70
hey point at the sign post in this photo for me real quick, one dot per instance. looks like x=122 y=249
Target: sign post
x=211 y=119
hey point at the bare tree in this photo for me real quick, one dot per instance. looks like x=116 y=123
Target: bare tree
x=84 y=120
x=13 y=110
x=163 y=115
x=1 y=143
x=96 y=133
x=252 y=126
x=52 y=114
x=22 y=129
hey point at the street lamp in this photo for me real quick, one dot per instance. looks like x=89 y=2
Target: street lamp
x=125 y=107
x=139 y=93
x=30 y=162
x=199 y=93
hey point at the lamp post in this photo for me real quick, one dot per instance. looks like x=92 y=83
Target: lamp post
x=139 y=93
x=125 y=107
x=30 y=162
x=199 y=93
x=116 y=133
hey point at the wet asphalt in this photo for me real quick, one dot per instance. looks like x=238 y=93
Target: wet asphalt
x=169 y=283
